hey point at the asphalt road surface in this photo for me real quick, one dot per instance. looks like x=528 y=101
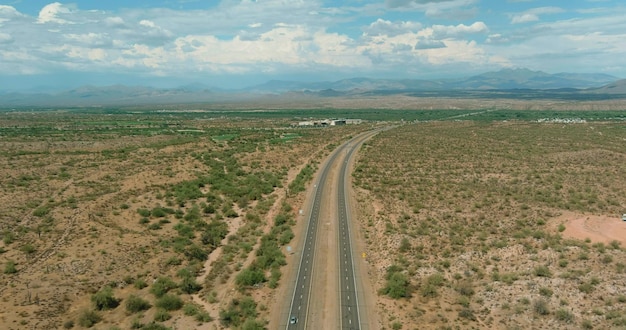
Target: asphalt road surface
x=349 y=313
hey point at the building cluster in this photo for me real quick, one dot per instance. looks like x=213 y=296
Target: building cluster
x=329 y=122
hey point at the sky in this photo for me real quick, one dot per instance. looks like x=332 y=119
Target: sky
x=232 y=44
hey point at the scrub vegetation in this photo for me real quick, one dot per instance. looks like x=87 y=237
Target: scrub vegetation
x=460 y=219
x=148 y=220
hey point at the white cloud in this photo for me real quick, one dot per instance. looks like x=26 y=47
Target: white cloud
x=90 y=39
x=147 y=23
x=5 y=38
x=384 y=27
x=524 y=18
x=114 y=21
x=51 y=13
x=9 y=12
x=446 y=31
x=532 y=15
x=497 y=38
x=429 y=44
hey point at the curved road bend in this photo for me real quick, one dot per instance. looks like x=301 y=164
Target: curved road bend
x=298 y=311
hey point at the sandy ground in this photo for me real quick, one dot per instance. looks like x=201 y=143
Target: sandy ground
x=599 y=229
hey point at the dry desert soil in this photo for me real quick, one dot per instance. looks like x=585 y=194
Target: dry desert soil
x=182 y=220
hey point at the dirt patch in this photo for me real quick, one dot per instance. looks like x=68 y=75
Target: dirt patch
x=597 y=228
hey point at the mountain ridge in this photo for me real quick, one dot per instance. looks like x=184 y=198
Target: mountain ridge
x=510 y=80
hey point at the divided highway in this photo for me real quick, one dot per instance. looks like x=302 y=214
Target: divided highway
x=349 y=313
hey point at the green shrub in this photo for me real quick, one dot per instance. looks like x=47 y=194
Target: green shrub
x=585 y=287
x=465 y=288
x=153 y=326
x=104 y=299
x=564 y=315
x=541 y=307
x=194 y=252
x=189 y=285
x=397 y=286
x=203 y=317
x=144 y=212
x=542 y=271
x=464 y=301
x=9 y=267
x=215 y=232
x=467 y=313
x=436 y=279
x=41 y=211
x=237 y=312
x=140 y=284
x=249 y=277
x=135 y=304
x=252 y=324
x=162 y=315
x=190 y=309
x=28 y=249
x=546 y=292
x=169 y=302
x=89 y=318
x=161 y=286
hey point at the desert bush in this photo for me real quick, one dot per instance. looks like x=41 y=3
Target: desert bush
x=28 y=249
x=161 y=286
x=89 y=318
x=467 y=313
x=542 y=271
x=215 y=232
x=564 y=315
x=190 y=309
x=144 y=212
x=238 y=312
x=140 y=283
x=250 y=276
x=464 y=301
x=162 y=315
x=104 y=299
x=169 y=302
x=195 y=252
x=203 y=317
x=136 y=304
x=465 y=288
x=546 y=292
x=397 y=286
x=9 y=267
x=585 y=287
x=154 y=326
x=189 y=285
x=541 y=307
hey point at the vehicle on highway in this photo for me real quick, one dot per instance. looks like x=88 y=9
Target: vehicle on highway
x=293 y=320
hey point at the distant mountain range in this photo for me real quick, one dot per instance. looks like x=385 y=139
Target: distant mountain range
x=503 y=79
x=503 y=83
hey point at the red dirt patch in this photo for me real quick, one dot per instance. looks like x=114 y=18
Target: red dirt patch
x=597 y=228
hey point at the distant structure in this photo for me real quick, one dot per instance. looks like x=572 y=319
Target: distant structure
x=329 y=122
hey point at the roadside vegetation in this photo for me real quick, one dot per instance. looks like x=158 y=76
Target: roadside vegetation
x=133 y=218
